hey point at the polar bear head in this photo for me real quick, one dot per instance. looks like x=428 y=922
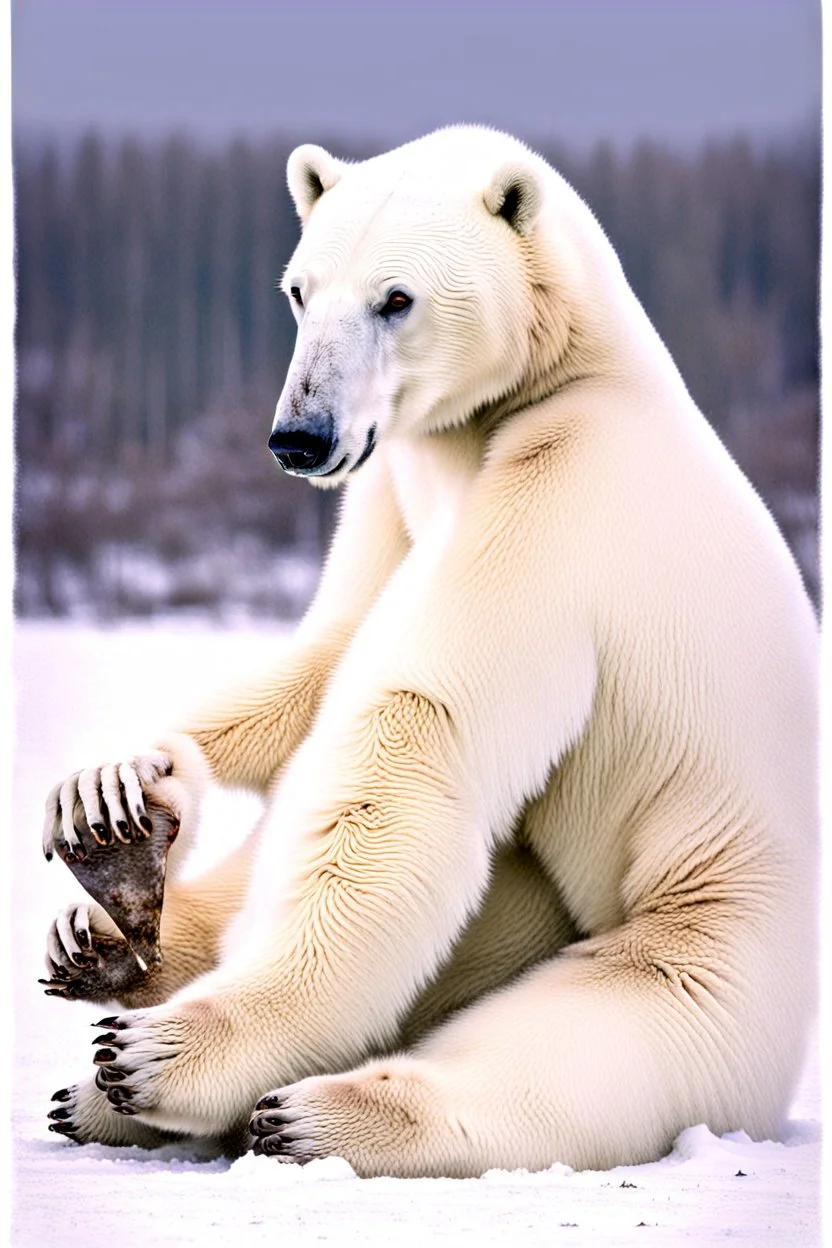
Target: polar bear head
x=430 y=284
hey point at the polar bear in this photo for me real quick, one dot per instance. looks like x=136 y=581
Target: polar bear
x=535 y=878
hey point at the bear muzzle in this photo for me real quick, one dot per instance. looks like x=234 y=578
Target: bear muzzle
x=306 y=450
x=312 y=450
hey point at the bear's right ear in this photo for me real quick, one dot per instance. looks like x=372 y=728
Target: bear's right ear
x=310 y=172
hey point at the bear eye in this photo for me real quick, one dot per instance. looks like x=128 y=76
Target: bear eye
x=397 y=301
x=297 y=296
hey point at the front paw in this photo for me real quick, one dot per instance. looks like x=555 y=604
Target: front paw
x=88 y=959
x=112 y=802
x=81 y=1113
x=121 y=864
x=182 y=1068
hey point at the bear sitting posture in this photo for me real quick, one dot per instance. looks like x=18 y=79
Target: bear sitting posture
x=535 y=879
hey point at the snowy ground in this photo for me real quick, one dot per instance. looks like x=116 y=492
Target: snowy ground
x=81 y=695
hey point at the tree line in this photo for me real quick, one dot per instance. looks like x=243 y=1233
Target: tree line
x=151 y=345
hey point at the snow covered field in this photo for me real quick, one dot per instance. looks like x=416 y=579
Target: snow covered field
x=84 y=697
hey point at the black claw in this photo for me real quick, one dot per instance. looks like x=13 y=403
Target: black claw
x=109 y=1037
x=107 y=1076
x=124 y=829
x=102 y=832
x=47 y=853
x=118 y=1096
x=59 y=1115
x=112 y=1021
x=63 y=1094
x=272 y=1101
x=146 y=824
x=54 y=992
x=124 y=1109
x=105 y=1056
x=62 y=1128
x=267 y=1124
x=272 y=1145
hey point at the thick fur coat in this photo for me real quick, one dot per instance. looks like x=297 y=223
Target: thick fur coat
x=535 y=879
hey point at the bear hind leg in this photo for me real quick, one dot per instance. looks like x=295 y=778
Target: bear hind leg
x=597 y=1058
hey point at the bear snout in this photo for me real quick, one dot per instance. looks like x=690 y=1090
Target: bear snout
x=305 y=450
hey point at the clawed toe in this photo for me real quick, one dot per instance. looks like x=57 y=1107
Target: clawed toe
x=102 y=834
x=119 y=1097
x=65 y=1128
x=105 y=1056
x=268 y=1124
x=109 y=1038
x=108 y=1076
x=112 y=1079
x=67 y=986
x=272 y=1101
x=271 y=1126
x=281 y=1147
x=270 y=1146
x=61 y=1120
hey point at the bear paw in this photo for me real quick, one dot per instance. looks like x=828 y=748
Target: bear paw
x=87 y=958
x=84 y=1115
x=178 y=1066
x=121 y=863
x=387 y=1119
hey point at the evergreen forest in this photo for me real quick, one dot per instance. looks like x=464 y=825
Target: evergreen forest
x=151 y=344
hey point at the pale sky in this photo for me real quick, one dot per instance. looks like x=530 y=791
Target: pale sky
x=569 y=70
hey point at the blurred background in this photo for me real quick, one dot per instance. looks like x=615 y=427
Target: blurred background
x=152 y=222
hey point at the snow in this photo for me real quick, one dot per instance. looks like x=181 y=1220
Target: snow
x=82 y=694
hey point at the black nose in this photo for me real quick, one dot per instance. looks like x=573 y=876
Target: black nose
x=302 y=450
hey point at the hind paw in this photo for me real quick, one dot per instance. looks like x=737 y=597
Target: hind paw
x=83 y=1114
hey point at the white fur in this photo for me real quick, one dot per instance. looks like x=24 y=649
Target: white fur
x=556 y=624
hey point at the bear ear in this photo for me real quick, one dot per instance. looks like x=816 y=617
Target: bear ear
x=310 y=172
x=515 y=194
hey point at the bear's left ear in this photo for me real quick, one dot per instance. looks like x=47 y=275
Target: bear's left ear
x=310 y=172
x=515 y=194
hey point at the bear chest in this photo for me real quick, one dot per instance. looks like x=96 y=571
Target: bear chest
x=431 y=477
